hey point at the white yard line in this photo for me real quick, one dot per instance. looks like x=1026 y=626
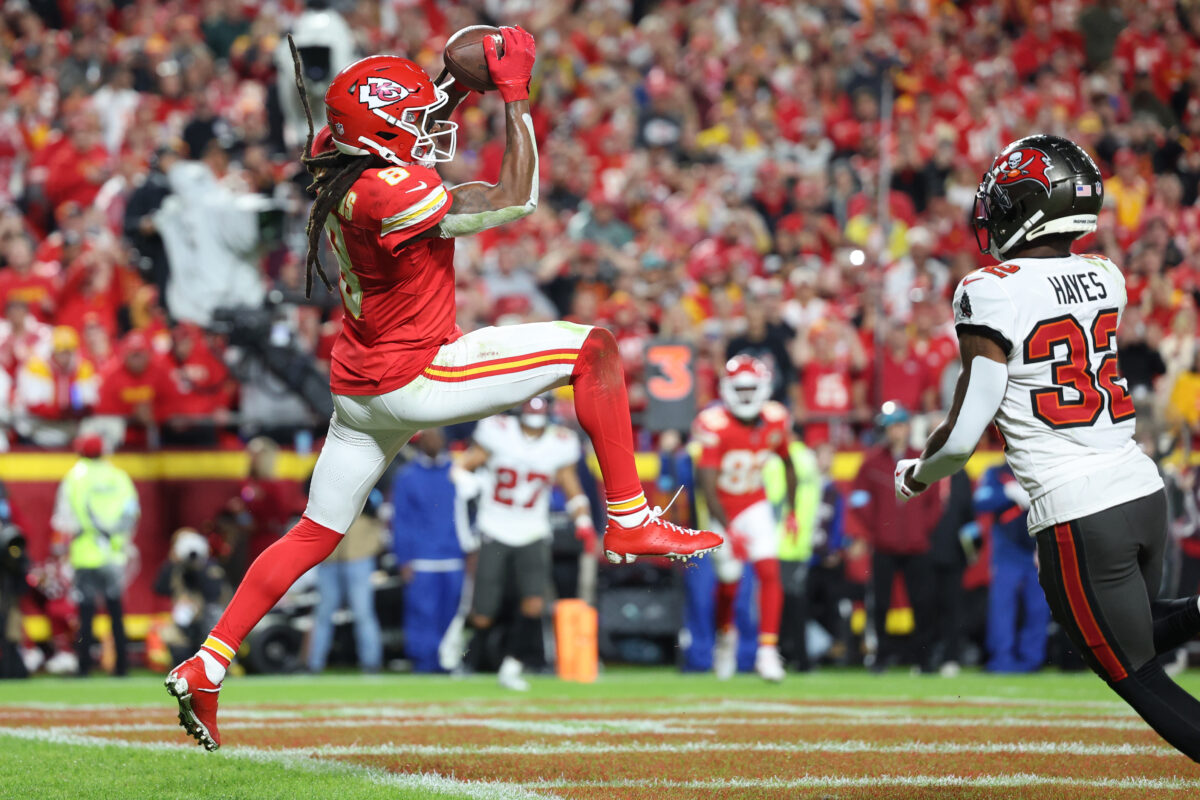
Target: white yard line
x=676 y=703
x=572 y=747
x=924 y=781
x=653 y=724
x=431 y=784
x=829 y=746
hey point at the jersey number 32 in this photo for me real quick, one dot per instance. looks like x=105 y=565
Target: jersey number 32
x=1095 y=389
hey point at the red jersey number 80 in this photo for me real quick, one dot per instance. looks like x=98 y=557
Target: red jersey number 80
x=741 y=471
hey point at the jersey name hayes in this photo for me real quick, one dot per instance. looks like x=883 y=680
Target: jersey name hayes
x=1083 y=287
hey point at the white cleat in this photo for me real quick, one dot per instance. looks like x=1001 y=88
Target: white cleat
x=769 y=664
x=62 y=663
x=509 y=675
x=725 y=654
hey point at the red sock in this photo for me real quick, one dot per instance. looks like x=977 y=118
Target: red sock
x=272 y=573
x=770 y=600
x=726 y=595
x=602 y=407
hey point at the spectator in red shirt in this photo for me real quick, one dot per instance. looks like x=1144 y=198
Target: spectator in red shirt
x=900 y=540
x=1140 y=47
x=78 y=165
x=55 y=393
x=19 y=280
x=831 y=360
x=133 y=388
x=96 y=287
x=201 y=388
x=263 y=508
x=936 y=345
x=904 y=377
x=21 y=336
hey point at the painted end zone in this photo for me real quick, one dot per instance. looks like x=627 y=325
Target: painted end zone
x=668 y=748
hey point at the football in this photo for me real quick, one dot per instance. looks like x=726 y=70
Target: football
x=465 y=59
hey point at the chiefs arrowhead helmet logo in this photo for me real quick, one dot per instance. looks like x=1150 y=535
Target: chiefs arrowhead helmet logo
x=379 y=92
x=1025 y=164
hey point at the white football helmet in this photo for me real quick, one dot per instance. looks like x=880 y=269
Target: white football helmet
x=535 y=414
x=746 y=386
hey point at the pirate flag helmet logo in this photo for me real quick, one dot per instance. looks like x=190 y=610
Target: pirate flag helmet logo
x=1026 y=164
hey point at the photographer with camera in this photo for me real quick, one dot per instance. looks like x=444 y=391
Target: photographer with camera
x=196 y=586
x=98 y=506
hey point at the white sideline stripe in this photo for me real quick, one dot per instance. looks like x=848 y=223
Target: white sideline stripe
x=563 y=728
x=1107 y=705
x=301 y=759
x=663 y=715
x=834 y=782
x=660 y=720
x=829 y=746
x=654 y=725
x=679 y=704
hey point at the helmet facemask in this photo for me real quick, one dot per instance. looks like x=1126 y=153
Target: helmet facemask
x=745 y=393
x=429 y=146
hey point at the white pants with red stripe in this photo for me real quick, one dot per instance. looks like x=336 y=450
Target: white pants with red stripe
x=483 y=373
x=753 y=535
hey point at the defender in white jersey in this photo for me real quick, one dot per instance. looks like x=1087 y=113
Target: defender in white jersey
x=522 y=459
x=1038 y=339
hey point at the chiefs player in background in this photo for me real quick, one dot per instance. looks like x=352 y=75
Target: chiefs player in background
x=522 y=458
x=737 y=438
x=400 y=363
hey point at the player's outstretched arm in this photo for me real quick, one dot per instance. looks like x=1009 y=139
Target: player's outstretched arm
x=977 y=398
x=477 y=205
x=472 y=458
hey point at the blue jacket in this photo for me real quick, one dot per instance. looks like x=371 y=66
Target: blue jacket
x=427 y=511
x=830 y=538
x=1011 y=541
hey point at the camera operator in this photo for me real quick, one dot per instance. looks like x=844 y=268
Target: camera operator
x=212 y=229
x=196 y=587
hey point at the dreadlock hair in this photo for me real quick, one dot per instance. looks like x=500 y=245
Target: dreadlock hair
x=333 y=174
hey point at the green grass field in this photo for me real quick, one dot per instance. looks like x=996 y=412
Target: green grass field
x=634 y=734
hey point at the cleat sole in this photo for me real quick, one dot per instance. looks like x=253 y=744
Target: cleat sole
x=629 y=558
x=178 y=688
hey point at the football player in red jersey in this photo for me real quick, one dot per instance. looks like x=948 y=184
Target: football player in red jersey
x=737 y=438
x=401 y=364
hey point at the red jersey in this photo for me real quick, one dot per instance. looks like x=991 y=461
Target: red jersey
x=398 y=294
x=739 y=451
x=121 y=391
x=38 y=291
x=904 y=379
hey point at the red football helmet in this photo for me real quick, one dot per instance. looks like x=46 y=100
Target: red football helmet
x=746 y=386
x=535 y=414
x=383 y=105
x=322 y=141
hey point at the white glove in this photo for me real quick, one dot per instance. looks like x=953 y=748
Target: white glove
x=1014 y=492
x=903 y=491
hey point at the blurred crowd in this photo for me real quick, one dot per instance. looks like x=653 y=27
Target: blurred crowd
x=788 y=179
